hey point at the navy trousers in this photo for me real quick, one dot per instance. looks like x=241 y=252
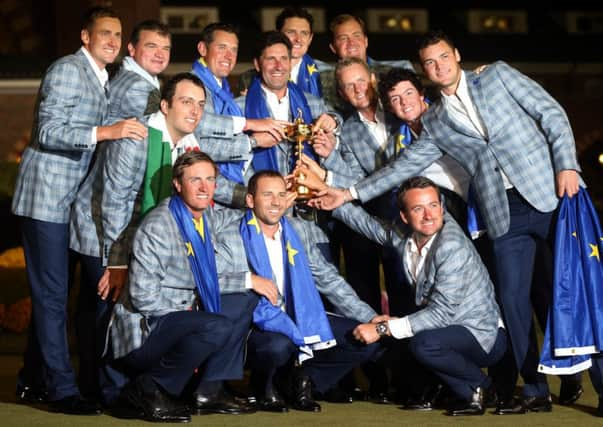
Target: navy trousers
x=454 y=355
x=179 y=342
x=513 y=260
x=269 y=352
x=46 y=248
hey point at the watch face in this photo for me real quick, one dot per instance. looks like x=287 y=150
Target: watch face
x=381 y=328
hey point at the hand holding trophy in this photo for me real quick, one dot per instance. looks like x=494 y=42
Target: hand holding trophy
x=298 y=133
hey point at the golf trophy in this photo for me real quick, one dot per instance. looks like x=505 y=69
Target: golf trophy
x=298 y=133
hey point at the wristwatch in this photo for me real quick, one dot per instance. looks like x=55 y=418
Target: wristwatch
x=253 y=142
x=382 y=328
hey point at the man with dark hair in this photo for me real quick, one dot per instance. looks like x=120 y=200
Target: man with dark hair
x=297 y=24
x=218 y=49
x=172 y=318
x=70 y=120
x=285 y=264
x=517 y=145
x=458 y=329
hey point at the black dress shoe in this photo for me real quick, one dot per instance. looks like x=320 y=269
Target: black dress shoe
x=569 y=392
x=75 y=405
x=515 y=406
x=335 y=395
x=271 y=402
x=475 y=406
x=538 y=404
x=417 y=404
x=302 y=395
x=150 y=404
x=220 y=403
x=30 y=395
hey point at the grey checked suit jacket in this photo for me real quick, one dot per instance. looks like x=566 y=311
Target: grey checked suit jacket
x=231 y=252
x=70 y=103
x=529 y=138
x=453 y=288
x=160 y=279
x=128 y=98
x=360 y=152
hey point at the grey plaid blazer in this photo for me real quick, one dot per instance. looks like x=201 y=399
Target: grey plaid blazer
x=127 y=98
x=231 y=252
x=529 y=138
x=70 y=103
x=360 y=152
x=160 y=279
x=453 y=288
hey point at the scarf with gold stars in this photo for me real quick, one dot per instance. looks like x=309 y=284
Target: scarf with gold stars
x=305 y=321
x=200 y=253
x=308 y=78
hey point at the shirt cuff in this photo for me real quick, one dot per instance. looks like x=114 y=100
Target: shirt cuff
x=117 y=267
x=353 y=192
x=238 y=124
x=329 y=178
x=93 y=139
x=248 y=284
x=400 y=328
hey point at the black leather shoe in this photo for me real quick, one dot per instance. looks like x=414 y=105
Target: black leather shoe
x=475 y=406
x=334 y=395
x=75 y=405
x=569 y=392
x=151 y=405
x=30 y=395
x=272 y=402
x=302 y=395
x=538 y=404
x=414 y=404
x=510 y=406
x=220 y=403
x=490 y=397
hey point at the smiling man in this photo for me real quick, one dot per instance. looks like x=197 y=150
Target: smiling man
x=69 y=122
x=172 y=318
x=131 y=89
x=287 y=267
x=458 y=329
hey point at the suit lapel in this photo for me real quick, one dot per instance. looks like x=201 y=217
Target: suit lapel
x=476 y=92
x=424 y=278
x=90 y=73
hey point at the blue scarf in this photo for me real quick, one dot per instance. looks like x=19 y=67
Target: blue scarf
x=256 y=108
x=307 y=324
x=308 y=78
x=200 y=253
x=224 y=104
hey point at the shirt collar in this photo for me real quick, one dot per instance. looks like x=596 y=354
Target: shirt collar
x=412 y=245
x=271 y=97
x=461 y=91
x=379 y=116
x=131 y=65
x=102 y=75
x=157 y=121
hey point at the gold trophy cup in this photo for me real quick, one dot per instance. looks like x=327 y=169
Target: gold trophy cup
x=298 y=133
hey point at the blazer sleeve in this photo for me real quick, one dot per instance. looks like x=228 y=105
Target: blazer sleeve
x=330 y=283
x=122 y=175
x=410 y=162
x=543 y=108
x=62 y=93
